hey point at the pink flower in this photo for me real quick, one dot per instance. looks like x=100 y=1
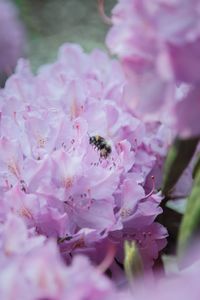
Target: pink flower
x=186 y=113
x=12 y=36
x=43 y=274
x=145 y=31
x=158 y=45
x=16 y=239
x=61 y=183
x=181 y=285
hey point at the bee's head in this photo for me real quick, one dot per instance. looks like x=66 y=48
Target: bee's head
x=92 y=139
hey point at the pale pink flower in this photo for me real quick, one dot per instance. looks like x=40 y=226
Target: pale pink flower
x=63 y=187
x=31 y=268
x=158 y=45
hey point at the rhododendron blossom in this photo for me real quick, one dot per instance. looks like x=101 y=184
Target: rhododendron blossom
x=31 y=268
x=158 y=44
x=56 y=180
x=99 y=155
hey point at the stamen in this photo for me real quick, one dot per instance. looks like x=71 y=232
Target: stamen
x=101 y=9
x=109 y=258
x=152 y=190
x=23 y=185
x=15 y=117
x=8 y=186
x=83 y=203
x=61 y=240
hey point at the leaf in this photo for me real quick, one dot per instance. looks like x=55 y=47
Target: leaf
x=132 y=262
x=191 y=219
x=196 y=167
x=177 y=160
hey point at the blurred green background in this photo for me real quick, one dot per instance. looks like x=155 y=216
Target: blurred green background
x=50 y=23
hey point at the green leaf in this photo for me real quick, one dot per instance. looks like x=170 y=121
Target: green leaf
x=177 y=160
x=191 y=219
x=196 y=167
x=132 y=262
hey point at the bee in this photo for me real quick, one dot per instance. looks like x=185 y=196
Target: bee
x=100 y=143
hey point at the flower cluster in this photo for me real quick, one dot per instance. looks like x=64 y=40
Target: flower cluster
x=159 y=45
x=82 y=146
x=31 y=268
x=11 y=37
x=56 y=170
